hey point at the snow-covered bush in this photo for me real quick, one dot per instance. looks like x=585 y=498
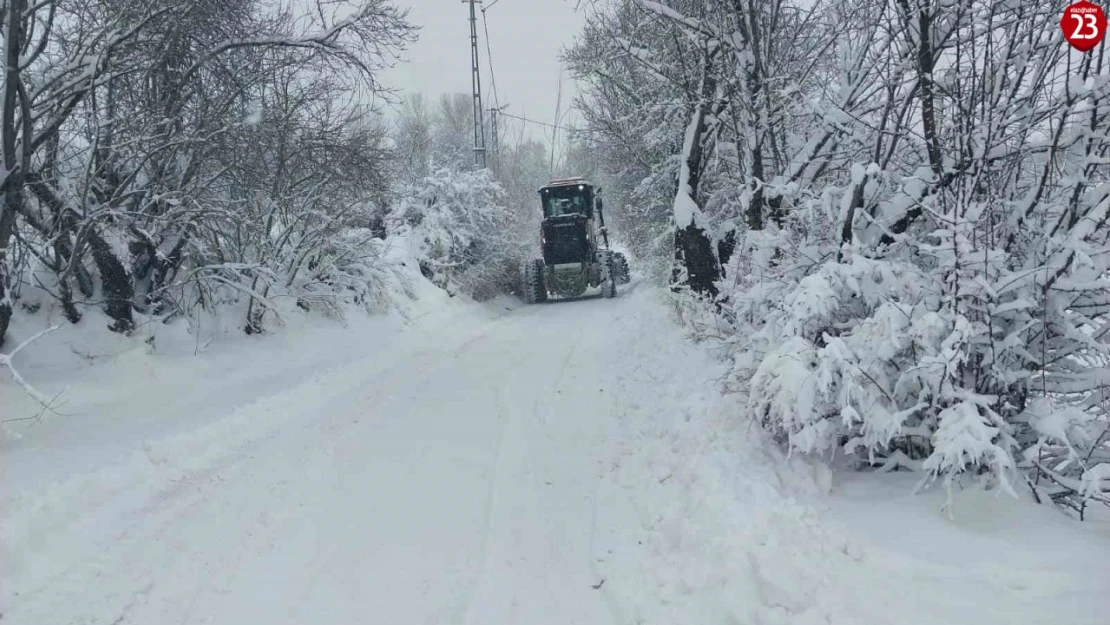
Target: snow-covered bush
x=468 y=236
x=860 y=354
x=927 y=365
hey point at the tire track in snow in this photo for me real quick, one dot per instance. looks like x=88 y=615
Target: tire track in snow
x=149 y=514
x=465 y=614
x=509 y=421
x=500 y=585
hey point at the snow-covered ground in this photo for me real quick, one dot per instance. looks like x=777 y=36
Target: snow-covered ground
x=488 y=465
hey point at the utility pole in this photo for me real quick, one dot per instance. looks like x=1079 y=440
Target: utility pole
x=476 y=89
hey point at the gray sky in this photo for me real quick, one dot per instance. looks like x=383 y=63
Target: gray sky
x=526 y=37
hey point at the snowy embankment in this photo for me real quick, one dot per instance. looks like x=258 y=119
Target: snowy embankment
x=494 y=465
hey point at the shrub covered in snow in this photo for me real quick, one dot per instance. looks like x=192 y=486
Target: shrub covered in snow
x=932 y=365
x=469 y=239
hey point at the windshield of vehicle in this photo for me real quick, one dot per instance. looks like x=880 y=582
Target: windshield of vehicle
x=565 y=200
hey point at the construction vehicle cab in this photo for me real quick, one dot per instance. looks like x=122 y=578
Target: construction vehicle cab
x=565 y=198
x=574 y=244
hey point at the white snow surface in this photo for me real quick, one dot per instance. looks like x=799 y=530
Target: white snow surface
x=564 y=463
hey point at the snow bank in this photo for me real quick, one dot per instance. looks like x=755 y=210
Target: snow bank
x=110 y=391
x=732 y=531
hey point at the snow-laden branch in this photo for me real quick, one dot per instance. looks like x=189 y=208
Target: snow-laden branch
x=699 y=26
x=6 y=360
x=328 y=41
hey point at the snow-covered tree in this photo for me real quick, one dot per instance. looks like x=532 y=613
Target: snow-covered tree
x=908 y=203
x=129 y=128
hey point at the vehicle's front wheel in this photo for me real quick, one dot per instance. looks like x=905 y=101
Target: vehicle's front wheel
x=532 y=284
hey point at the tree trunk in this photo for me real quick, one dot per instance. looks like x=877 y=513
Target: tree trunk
x=748 y=17
x=12 y=185
x=254 y=315
x=7 y=227
x=116 y=283
x=114 y=278
x=693 y=247
x=855 y=205
x=924 y=67
x=726 y=246
x=65 y=292
x=165 y=270
x=695 y=252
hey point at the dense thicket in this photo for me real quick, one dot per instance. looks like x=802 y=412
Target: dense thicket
x=899 y=209
x=164 y=157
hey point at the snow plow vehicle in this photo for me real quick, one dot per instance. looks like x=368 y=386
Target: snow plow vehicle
x=575 y=245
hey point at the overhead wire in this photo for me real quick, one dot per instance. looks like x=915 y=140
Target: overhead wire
x=570 y=129
x=489 y=56
x=493 y=83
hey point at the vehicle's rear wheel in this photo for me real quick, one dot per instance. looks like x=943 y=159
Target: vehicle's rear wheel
x=532 y=284
x=608 y=279
x=620 y=266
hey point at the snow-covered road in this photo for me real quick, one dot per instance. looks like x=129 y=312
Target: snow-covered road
x=556 y=464
x=455 y=483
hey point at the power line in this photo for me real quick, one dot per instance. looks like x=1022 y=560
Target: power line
x=495 y=139
x=489 y=56
x=497 y=108
x=555 y=126
x=539 y=123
